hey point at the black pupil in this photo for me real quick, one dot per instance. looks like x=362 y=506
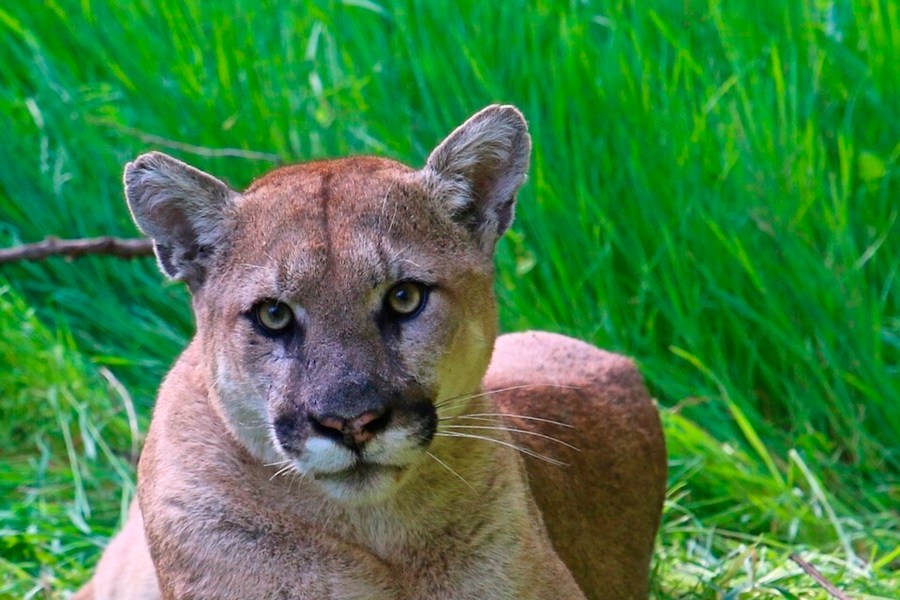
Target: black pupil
x=277 y=317
x=405 y=298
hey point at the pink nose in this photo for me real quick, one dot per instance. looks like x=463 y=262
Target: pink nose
x=356 y=431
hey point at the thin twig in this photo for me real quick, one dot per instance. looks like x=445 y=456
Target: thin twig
x=52 y=246
x=815 y=574
x=158 y=140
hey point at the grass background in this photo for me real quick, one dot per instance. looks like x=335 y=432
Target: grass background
x=714 y=191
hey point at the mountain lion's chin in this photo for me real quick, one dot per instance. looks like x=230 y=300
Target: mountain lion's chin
x=363 y=483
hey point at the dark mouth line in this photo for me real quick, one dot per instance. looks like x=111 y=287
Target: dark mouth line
x=359 y=469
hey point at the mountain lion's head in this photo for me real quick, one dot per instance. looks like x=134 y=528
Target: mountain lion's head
x=342 y=306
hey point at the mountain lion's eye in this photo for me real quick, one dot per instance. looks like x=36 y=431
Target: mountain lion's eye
x=406 y=299
x=273 y=316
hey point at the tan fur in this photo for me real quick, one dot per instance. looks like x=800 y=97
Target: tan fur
x=244 y=489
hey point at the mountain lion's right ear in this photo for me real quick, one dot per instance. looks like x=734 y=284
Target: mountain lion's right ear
x=478 y=170
x=182 y=209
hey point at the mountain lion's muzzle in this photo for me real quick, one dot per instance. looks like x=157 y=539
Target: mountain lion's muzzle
x=355 y=435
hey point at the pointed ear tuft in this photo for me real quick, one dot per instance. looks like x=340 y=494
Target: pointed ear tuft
x=479 y=168
x=184 y=211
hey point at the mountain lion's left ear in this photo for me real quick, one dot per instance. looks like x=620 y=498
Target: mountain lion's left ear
x=479 y=168
x=184 y=210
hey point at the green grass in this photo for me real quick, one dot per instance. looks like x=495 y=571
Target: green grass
x=714 y=191
x=70 y=435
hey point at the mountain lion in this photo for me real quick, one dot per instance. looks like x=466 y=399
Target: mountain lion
x=333 y=430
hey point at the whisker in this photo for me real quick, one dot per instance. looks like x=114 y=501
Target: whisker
x=476 y=403
x=446 y=466
x=486 y=417
x=452 y=411
x=296 y=476
x=282 y=471
x=279 y=463
x=319 y=511
x=384 y=206
x=514 y=430
x=526 y=451
x=485 y=393
x=252 y=266
x=461 y=398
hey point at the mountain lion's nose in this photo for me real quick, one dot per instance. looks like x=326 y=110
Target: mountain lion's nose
x=352 y=432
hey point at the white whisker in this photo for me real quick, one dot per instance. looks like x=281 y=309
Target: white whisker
x=484 y=393
x=446 y=466
x=486 y=417
x=477 y=403
x=253 y=266
x=285 y=469
x=514 y=430
x=384 y=206
x=295 y=476
x=526 y=451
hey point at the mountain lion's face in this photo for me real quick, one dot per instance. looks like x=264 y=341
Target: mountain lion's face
x=342 y=306
x=346 y=306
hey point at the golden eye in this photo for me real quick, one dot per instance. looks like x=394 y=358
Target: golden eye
x=406 y=299
x=274 y=316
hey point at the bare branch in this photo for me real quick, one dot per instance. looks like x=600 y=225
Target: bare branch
x=51 y=246
x=151 y=138
x=815 y=574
